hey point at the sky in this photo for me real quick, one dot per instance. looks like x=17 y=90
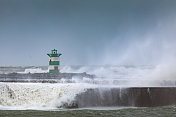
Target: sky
x=87 y=32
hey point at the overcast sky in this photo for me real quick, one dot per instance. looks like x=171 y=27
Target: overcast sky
x=87 y=32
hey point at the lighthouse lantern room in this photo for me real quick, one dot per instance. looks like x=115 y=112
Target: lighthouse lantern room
x=54 y=61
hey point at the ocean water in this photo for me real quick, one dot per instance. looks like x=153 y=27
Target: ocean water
x=41 y=99
x=166 y=111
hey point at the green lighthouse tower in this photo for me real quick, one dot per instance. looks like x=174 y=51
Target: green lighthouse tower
x=54 y=61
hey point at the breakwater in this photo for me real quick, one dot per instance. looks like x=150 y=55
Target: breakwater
x=82 y=95
x=41 y=77
x=135 y=96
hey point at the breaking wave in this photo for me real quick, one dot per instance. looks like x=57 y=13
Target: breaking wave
x=63 y=94
x=38 y=95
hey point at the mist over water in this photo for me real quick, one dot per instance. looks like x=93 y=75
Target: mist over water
x=155 y=47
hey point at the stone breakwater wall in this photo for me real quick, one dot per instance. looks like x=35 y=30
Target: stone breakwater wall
x=41 y=77
x=135 y=96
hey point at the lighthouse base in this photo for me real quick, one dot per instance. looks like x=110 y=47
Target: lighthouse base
x=53 y=71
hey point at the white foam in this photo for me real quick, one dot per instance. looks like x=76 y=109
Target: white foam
x=38 y=95
x=50 y=96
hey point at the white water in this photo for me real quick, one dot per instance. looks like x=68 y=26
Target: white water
x=38 y=95
x=52 y=96
x=112 y=75
x=123 y=76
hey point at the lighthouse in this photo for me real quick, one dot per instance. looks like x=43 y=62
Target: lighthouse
x=54 y=61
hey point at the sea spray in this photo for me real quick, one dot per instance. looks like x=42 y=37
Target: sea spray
x=37 y=95
x=160 y=75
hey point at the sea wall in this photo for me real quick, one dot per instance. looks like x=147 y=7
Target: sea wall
x=42 y=77
x=136 y=96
